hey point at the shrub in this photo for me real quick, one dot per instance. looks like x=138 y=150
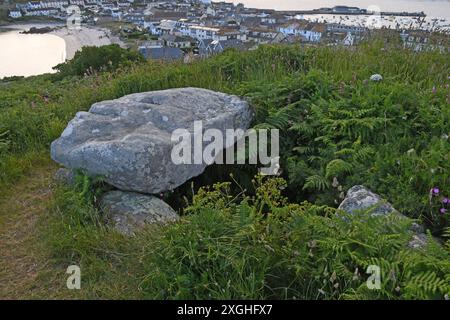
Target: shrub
x=94 y=59
x=382 y=135
x=235 y=246
x=263 y=247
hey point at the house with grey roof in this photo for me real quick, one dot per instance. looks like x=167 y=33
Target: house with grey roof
x=211 y=47
x=161 y=53
x=174 y=41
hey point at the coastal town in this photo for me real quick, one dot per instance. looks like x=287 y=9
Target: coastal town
x=172 y=30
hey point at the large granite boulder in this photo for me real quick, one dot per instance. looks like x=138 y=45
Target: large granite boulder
x=361 y=199
x=128 y=141
x=128 y=212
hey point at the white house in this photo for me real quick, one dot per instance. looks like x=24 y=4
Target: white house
x=116 y=13
x=79 y=3
x=152 y=27
x=108 y=5
x=311 y=32
x=349 y=40
x=42 y=12
x=167 y=27
x=423 y=41
x=34 y=5
x=123 y=4
x=136 y=18
x=212 y=33
x=262 y=35
x=210 y=11
x=54 y=4
x=268 y=20
x=15 y=14
x=92 y=2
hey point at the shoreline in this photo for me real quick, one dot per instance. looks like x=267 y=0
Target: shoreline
x=74 y=39
x=431 y=8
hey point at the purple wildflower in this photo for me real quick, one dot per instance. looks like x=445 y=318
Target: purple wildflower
x=435 y=190
x=445 y=201
x=443 y=210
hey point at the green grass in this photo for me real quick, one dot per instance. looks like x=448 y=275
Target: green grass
x=257 y=247
x=281 y=82
x=333 y=124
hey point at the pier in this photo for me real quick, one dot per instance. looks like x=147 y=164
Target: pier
x=355 y=13
x=344 y=10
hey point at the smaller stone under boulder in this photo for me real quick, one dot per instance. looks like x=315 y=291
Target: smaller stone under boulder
x=64 y=176
x=128 y=211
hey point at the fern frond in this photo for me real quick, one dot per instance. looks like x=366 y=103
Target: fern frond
x=316 y=182
x=337 y=167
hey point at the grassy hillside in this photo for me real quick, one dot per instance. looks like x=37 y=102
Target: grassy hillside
x=335 y=125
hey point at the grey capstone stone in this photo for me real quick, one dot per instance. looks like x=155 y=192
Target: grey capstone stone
x=128 y=141
x=359 y=199
x=128 y=212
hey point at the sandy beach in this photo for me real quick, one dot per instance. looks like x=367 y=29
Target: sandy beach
x=86 y=36
x=74 y=39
